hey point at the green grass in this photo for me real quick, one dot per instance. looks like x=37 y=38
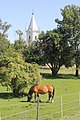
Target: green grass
x=66 y=85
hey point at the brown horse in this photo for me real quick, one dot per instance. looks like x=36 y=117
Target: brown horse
x=39 y=89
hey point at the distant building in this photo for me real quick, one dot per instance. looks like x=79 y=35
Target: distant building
x=33 y=32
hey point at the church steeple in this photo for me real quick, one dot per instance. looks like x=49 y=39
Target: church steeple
x=33 y=31
x=32 y=13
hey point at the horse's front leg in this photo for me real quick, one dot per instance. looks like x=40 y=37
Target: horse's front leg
x=35 y=97
x=38 y=98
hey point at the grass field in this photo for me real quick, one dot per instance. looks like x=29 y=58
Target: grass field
x=66 y=104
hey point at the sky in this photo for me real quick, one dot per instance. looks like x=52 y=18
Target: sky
x=18 y=13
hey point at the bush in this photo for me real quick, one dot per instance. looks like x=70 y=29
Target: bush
x=18 y=74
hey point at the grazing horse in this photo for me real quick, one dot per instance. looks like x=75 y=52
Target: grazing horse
x=39 y=89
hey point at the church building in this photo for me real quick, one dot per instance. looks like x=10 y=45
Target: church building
x=33 y=32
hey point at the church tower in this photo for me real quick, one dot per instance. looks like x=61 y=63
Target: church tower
x=33 y=31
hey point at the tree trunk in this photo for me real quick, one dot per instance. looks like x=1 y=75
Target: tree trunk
x=54 y=71
x=54 y=68
x=15 y=92
x=77 y=71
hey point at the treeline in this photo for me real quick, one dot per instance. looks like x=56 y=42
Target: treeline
x=57 y=47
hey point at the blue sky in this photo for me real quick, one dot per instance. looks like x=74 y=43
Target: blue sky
x=18 y=13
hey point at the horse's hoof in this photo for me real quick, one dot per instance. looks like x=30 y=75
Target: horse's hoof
x=52 y=101
x=39 y=100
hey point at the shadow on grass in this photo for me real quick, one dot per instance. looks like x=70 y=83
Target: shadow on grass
x=59 y=76
x=23 y=101
x=46 y=102
x=7 y=95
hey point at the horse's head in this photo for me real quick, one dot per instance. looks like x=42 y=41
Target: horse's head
x=29 y=97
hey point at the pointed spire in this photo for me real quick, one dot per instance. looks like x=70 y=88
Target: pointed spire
x=32 y=12
x=33 y=25
x=33 y=31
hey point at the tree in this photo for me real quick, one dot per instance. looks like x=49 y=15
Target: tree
x=4 y=44
x=32 y=53
x=50 y=49
x=70 y=26
x=17 y=74
x=19 y=33
x=55 y=50
x=19 y=45
x=4 y=27
x=49 y=45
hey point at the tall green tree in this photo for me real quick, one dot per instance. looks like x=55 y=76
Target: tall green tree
x=16 y=74
x=49 y=45
x=4 y=27
x=69 y=26
x=20 y=43
x=20 y=34
x=4 y=44
x=51 y=49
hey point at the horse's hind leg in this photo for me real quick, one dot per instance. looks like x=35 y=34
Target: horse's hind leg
x=49 y=97
x=53 y=95
x=52 y=98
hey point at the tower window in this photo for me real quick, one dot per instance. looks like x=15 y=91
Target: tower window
x=35 y=37
x=29 y=37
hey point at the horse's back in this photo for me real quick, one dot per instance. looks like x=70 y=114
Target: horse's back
x=42 y=89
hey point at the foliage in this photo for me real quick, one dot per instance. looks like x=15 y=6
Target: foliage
x=59 y=46
x=55 y=49
x=4 y=44
x=32 y=53
x=16 y=73
x=19 y=45
x=19 y=33
x=4 y=28
x=50 y=48
x=69 y=26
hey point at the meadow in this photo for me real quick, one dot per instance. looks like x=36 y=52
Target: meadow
x=66 y=104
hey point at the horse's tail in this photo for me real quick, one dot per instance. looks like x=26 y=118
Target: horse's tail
x=53 y=90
